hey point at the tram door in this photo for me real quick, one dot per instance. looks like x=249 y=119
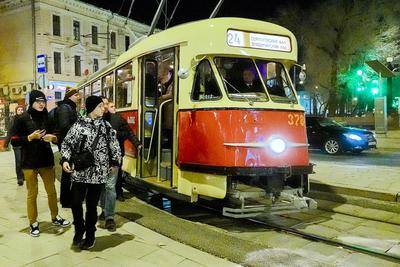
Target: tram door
x=157 y=114
x=149 y=117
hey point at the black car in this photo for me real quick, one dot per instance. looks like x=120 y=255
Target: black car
x=333 y=138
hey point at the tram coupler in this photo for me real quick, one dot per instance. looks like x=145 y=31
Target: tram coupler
x=291 y=200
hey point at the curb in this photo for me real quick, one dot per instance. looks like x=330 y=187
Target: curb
x=341 y=190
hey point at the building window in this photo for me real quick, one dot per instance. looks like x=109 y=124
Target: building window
x=77 y=30
x=77 y=60
x=56 y=25
x=113 y=40
x=127 y=43
x=57 y=62
x=94 y=35
x=95 y=65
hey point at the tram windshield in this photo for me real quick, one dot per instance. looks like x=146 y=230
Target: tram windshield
x=248 y=80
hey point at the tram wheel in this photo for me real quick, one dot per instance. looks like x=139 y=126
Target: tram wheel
x=332 y=146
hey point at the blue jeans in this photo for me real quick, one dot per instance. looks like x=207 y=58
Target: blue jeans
x=18 y=163
x=109 y=195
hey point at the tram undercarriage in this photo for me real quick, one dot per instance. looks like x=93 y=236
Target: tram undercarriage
x=273 y=194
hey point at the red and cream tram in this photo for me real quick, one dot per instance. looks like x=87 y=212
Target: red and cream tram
x=217 y=114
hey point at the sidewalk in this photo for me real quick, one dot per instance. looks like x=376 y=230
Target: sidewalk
x=390 y=140
x=372 y=190
x=130 y=245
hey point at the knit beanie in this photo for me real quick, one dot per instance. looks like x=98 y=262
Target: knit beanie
x=70 y=91
x=36 y=95
x=92 y=102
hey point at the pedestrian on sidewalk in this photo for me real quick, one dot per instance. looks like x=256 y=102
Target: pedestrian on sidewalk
x=66 y=116
x=33 y=132
x=113 y=187
x=94 y=135
x=17 y=149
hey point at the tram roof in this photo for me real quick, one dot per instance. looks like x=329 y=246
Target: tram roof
x=209 y=36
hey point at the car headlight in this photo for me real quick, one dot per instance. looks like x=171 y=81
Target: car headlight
x=353 y=136
x=277 y=145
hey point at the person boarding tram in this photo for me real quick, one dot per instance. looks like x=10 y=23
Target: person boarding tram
x=113 y=186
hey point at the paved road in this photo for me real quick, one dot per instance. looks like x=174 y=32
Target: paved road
x=371 y=157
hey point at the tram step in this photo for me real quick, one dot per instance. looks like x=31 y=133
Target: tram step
x=166 y=154
x=165 y=172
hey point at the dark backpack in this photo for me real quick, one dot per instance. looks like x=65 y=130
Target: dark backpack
x=53 y=116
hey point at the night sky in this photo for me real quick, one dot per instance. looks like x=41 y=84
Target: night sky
x=189 y=10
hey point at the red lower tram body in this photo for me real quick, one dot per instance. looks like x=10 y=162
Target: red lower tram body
x=238 y=143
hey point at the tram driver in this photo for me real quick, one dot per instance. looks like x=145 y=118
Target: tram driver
x=249 y=83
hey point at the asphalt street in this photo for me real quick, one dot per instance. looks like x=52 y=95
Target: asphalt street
x=371 y=157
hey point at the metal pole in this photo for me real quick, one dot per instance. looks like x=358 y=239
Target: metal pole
x=108 y=38
x=216 y=9
x=34 y=43
x=156 y=17
x=294 y=77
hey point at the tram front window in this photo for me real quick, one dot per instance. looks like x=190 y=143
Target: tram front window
x=247 y=80
x=241 y=79
x=276 y=81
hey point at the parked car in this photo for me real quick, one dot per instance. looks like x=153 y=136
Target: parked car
x=333 y=138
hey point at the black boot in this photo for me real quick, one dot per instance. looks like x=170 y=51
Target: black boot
x=77 y=238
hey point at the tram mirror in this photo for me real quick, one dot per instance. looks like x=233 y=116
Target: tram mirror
x=302 y=76
x=183 y=73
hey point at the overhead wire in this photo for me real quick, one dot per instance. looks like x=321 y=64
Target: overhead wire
x=129 y=12
x=120 y=8
x=173 y=13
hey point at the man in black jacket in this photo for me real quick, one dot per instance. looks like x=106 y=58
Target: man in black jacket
x=67 y=115
x=113 y=188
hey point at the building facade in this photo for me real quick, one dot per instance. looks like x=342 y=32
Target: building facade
x=66 y=39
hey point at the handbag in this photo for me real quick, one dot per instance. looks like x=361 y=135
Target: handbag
x=84 y=158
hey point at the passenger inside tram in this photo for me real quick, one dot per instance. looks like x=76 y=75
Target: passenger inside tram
x=165 y=87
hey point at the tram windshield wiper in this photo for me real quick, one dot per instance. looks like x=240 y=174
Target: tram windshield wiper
x=239 y=94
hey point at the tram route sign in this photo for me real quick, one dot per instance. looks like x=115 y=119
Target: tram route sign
x=41 y=63
x=258 y=40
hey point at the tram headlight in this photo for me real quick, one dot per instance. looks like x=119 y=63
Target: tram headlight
x=277 y=145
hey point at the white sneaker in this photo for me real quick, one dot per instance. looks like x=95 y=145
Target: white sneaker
x=34 y=229
x=58 y=221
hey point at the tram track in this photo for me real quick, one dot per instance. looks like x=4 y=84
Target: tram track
x=318 y=238
x=313 y=237
x=259 y=229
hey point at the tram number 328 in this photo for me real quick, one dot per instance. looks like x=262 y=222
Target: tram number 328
x=295 y=120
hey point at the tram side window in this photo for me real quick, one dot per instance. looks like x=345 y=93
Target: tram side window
x=205 y=86
x=123 y=89
x=108 y=86
x=96 y=88
x=277 y=81
x=86 y=91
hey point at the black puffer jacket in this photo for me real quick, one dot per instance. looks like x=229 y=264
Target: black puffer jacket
x=37 y=153
x=123 y=131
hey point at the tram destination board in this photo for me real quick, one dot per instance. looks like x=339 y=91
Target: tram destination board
x=258 y=40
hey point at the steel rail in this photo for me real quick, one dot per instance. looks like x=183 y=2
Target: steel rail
x=313 y=237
